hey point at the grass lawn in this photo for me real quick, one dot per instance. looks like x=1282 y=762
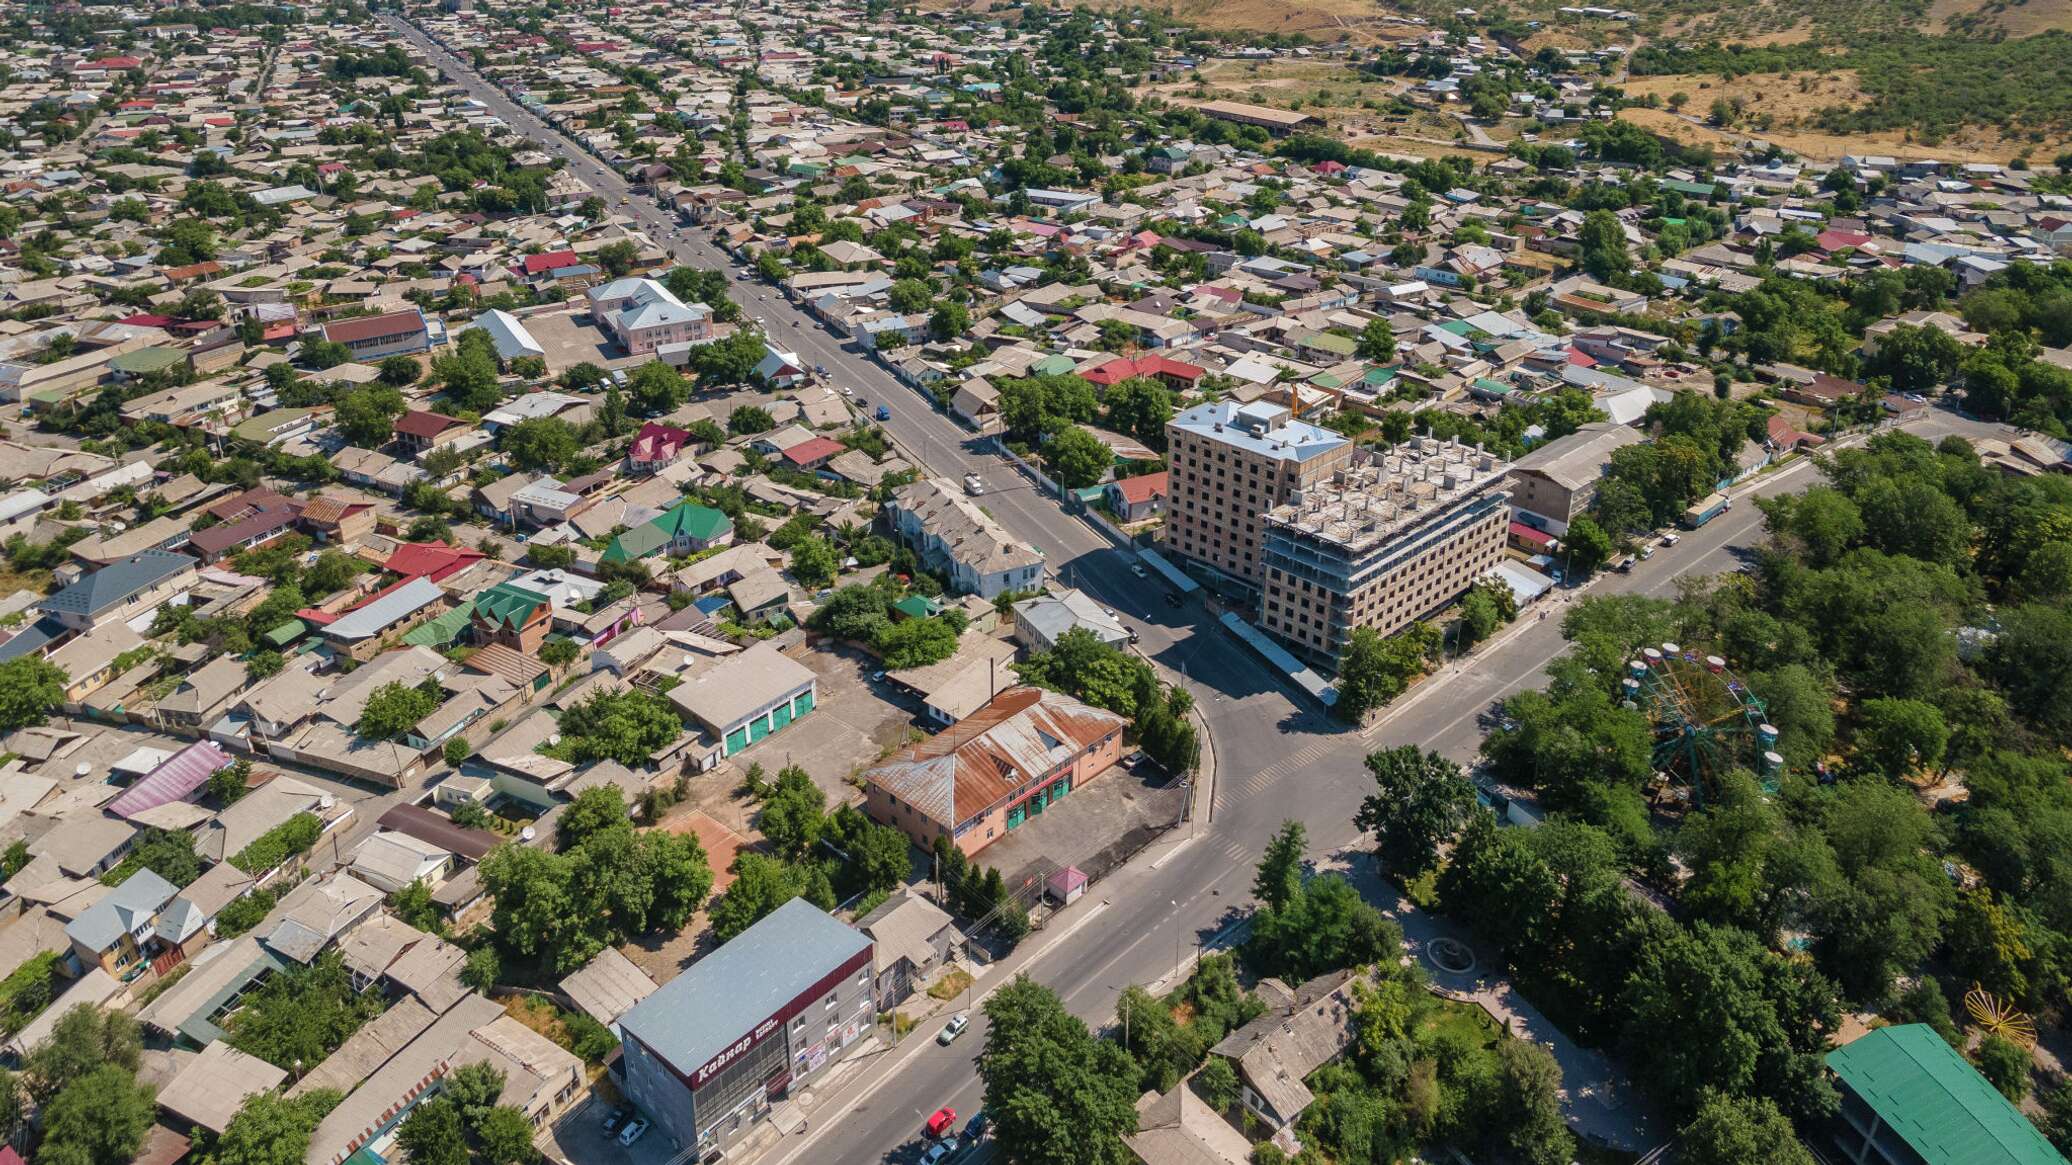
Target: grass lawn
x=951 y=984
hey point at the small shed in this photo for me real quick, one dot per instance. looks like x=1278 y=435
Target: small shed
x=1066 y=885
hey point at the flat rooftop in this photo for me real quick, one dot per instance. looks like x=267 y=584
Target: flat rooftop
x=1363 y=506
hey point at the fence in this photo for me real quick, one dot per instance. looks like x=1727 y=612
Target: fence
x=1035 y=474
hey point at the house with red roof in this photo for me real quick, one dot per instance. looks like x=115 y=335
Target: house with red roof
x=395 y=333
x=655 y=447
x=433 y=560
x=1831 y=241
x=546 y=261
x=1137 y=498
x=1172 y=373
x=424 y=430
x=811 y=455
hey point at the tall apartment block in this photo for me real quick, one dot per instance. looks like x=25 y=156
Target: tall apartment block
x=1380 y=542
x=1228 y=465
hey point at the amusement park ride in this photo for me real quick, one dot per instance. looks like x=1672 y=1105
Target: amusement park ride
x=1707 y=722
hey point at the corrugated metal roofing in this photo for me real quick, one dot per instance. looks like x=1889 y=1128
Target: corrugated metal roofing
x=176 y=780
x=1023 y=735
x=1936 y=1101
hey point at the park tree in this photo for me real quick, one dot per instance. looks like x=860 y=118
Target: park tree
x=1897 y=737
x=1279 y=878
x=1076 y=458
x=541 y=443
x=1377 y=343
x=1602 y=245
x=97 y=1118
x=793 y=814
x=1058 y=1095
x=1740 y=1131
x=1372 y=671
x=367 y=415
x=394 y=710
x=761 y=884
x=1140 y=407
x=31 y=687
x=1420 y=801
x=814 y=562
x=271 y=1129
x=657 y=389
x=1524 y=1107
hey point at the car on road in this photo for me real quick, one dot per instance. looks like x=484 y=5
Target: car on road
x=940 y=1150
x=633 y=1130
x=1626 y=564
x=820 y=370
x=976 y=1126
x=884 y=414
x=941 y=1120
x=953 y=1029
x=616 y=1118
x=1668 y=539
x=974 y=484
x=1137 y=568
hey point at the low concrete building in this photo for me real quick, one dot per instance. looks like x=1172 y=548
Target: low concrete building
x=1556 y=482
x=741 y=699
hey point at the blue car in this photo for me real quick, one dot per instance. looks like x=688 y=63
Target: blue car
x=884 y=414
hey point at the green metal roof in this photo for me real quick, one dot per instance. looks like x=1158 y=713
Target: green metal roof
x=914 y=607
x=1936 y=1101
x=286 y=633
x=689 y=520
x=439 y=632
x=142 y=360
x=509 y=604
x=1330 y=342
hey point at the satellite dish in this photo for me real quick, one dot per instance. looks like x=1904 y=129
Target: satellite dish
x=526 y=834
x=82 y=769
x=554 y=738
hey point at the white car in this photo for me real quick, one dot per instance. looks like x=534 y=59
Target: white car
x=1668 y=539
x=633 y=1130
x=939 y=1150
x=953 y=1029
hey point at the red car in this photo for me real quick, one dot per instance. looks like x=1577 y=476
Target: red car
x=940 y=1123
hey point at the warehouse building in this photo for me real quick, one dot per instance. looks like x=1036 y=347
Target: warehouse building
x=709 y=1053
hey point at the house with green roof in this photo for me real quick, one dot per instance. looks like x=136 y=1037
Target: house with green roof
x=1908 y=1098
x=687 y=529
x=517 y=617
x=441 y=632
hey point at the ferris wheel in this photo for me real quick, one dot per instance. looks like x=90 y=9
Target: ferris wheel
x=1706 y=721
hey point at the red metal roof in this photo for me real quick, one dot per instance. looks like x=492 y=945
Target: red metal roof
x=1525 y=533
x=434 y=560
x=425 y=424
x=808 y=452
x=395 y=323
x=1142 y=488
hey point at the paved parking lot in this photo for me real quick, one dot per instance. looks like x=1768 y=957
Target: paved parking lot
x=569 y=343
x=853 y=723
x=1095 y=827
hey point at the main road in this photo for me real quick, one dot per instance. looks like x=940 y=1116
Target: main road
x=1277 y=757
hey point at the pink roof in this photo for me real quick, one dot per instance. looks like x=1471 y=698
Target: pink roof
x=178 y=779
x=808 y=452
x=1117 y=371
x=658 y=442
x=1836 y=240
x=1525 y=533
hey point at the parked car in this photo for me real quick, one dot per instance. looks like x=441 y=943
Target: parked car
x=974 y=484
x=1133 y=760
x=1626 y=564
x=939 y=1150
x=884 y=414
x=941 y=1120
x=953 y=1029
x=615 y=1118
x=1669 y=539
x=633 y=1131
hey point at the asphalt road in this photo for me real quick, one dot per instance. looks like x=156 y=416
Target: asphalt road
x=1278 y=758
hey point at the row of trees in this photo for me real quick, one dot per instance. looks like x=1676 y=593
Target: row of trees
x=826 y=858
x=1083 y=667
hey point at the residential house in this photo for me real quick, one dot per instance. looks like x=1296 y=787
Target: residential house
x=513 y=616
x=954 y=536
x=911 y=938
x=1137 y=499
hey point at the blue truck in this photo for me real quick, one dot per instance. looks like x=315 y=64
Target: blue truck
x=1705 y=509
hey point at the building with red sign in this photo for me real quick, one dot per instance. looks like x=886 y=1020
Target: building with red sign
x=707 y=1055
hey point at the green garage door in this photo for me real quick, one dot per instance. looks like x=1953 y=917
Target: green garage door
x=804 y=703
x=758 y=728
x=782 y=717
x=737 y=740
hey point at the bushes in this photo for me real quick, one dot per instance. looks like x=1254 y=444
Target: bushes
x=302 y=1013
x=26 y=991
x=291 y=837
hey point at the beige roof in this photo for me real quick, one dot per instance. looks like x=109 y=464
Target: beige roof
x=902 y=928
x=1178 y=1128
x=733 y=689
x=209 y=1090
x=1277 y=1051
x=368 y=1048
x=608 y=986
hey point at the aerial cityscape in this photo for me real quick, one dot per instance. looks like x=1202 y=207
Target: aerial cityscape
x=933 y=582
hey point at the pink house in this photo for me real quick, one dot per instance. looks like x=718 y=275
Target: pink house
x=656 y=446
